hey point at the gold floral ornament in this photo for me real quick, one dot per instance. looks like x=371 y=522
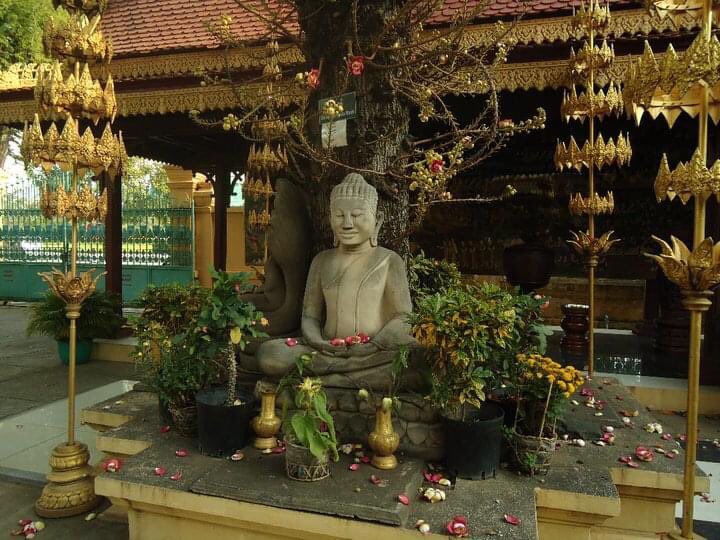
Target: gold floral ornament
x=602 y=153
x=77 y=37
x=688 y=179
x=255 y=187
x=77 y=95
x=600 y=58
x=268 y=128
x=674 y=85
x=68 y=150
x=592 y=103
x=594 y=205
x=589 y=246
x=81 y=204
x=73 y=290
x=697 y=270
x=267 y=160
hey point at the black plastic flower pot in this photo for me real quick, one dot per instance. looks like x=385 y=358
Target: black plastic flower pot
x=473 y=445
x=223 y=429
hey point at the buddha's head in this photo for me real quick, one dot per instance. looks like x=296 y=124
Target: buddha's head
x=354 y=218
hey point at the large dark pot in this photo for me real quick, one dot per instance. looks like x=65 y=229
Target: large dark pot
x=223 y=429
x=528 y=266
x=473 y=445
x=82 y=354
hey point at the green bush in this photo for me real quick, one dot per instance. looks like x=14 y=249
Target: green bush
x=429 y=276
x=99 y=318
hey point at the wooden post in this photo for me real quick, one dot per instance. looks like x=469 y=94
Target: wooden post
x=113 y=235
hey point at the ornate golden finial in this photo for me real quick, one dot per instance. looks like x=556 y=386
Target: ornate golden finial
x=73 y=290
x=77 y=95
x=594 y=205
x=89 y=7
x=591 y=18
x=600 y=58
x=77 y=38
x=697 y=270
x=602 y=153
x=591 y=102
x=688 y=179
x=590 y=247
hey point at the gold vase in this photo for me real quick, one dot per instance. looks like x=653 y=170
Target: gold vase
x=383 y=440
x=266 y=424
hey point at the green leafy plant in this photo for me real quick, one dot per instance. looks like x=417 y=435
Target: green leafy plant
x=227 y=323
x=168 y=311
x=429 y=276
x=312 y=426
x=99 y=318
x=471 y=334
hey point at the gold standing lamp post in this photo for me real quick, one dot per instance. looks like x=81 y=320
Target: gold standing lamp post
x=587 y=66
x=690 y=83
x=66 y=92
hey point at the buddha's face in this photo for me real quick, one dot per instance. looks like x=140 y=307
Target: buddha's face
x=352 y=221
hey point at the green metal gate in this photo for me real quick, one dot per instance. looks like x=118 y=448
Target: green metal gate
x=157 y=244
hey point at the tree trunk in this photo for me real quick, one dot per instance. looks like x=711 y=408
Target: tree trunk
x=376 y=136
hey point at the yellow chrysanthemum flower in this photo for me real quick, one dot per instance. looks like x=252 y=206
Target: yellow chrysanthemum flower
x=567 y=377
x=566 y=394
x=571 y=388
x=562 y=385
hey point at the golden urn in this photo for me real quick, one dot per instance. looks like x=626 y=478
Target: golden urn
x=267 y=424
x=383 y=439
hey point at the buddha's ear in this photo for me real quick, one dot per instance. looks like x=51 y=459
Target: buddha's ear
x=379 y=219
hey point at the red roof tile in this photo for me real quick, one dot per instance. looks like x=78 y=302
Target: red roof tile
x=139 y=27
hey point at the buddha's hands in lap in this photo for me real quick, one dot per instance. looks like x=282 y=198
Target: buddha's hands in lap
x=326 y=348
x=362 y=349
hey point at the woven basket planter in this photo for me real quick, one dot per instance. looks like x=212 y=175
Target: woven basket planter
x=533 y=454
x=301 y=465
x=185 y=420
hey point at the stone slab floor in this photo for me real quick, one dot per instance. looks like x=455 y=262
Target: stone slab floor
x=17 y=499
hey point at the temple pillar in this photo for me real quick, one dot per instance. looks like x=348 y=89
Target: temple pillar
x=236 y=240
x=221 y=186
x=181 y=185
x=113 y=235
x=204 y=237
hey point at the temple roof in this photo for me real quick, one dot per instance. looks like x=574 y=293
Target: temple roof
x=141 y=27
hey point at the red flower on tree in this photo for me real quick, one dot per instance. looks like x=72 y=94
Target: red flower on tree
x=436 y=166
x=313 y=78
x=356 y=65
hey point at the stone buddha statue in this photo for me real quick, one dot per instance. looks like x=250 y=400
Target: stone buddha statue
x=355 y=289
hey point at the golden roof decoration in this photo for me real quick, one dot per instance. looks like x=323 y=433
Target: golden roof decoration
x=672 y=86
x=68 y=149
x=268 y=129
x=697 y=270
x=594 y=205
x=18 y=76
x=599 y=57
x=571 y=156
x=688 y=179
x=77 y=38
x=78 y=94
x=259 y=219
x=255 y=187
x=81 y=204
x=598 y=103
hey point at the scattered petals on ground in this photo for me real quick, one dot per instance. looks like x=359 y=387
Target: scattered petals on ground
x=511 y=519
x=458 y=527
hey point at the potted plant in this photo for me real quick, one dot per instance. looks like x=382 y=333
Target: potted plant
x=542 y=388
x=465 y=330
x=225 y=325
x=168 y=311
x=310 y=440
x=177 y=377
x=98 y=319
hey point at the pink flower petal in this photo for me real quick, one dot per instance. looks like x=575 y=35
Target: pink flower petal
x=682 y=437
x=177 y=476
x=404 y=499
x=587 y=392
x=427 y=476
x=512 y=520
x=160 y=471
x=633 y=464
x=291 y=342
x=111 y=465
x=365 y=459
x=364 y=338
x=337 y=342
x=354 y=466
x=375 y=480
x=625 y=459
x=644 y=454
x=164 y=429
x=666 y=437
x=671 y=455
x=278 y=450
x=181 y=452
